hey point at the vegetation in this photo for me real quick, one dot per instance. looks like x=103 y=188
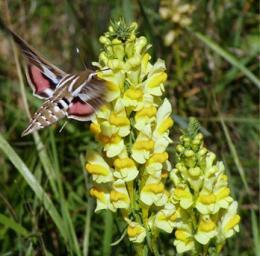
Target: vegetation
x=211 y=50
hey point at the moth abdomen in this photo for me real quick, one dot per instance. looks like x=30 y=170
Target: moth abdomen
x=48 y=114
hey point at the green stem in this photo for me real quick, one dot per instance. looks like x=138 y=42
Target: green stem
x=107 y=239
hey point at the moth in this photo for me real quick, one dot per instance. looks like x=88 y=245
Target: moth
x=66 y=95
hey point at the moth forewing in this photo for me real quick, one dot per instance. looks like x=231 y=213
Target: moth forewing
x=75 y=96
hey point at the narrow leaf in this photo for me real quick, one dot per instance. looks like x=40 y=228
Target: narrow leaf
x=10 y=223
x=33 y=183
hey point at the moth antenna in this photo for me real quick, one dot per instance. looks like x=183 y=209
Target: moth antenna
x=80 y=57
x=62 y=127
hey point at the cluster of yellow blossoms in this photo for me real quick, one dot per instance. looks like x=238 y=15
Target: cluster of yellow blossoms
x=133 y=128
x=178 y=14
x=130 y=171
x=200 y=206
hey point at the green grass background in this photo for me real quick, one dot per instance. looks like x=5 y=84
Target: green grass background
x=213 y=73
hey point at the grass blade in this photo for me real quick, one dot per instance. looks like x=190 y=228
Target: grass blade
x=10 y=223
x=228 y=57
x=33 y=183
x=255 y=231
x=233 y=150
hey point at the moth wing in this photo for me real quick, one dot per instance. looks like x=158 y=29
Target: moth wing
x=42 y=76
x=88 y=101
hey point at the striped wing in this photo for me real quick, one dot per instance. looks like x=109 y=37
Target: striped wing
x=42 y=76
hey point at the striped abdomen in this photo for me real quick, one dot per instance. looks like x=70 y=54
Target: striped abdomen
x=49 y=113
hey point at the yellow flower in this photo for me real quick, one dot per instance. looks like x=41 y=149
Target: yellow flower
x=183 y=195
x=156 y=76
x=133 y=97
x=120 y=123
x=144 y=119
x=155 y=164
x=142 y=148
x=97 y=166
x=135 y=231
x=163 y=123
x=229 y=223
x=125 y=169
x=210 y=203
x=102 y=196
x=166 y=218
x=115 y=81
x=113 y=145
x=184 y=239
x=207 y=229
x=153 y=192
x=119 y=195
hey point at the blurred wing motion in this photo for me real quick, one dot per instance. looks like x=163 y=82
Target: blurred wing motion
x=76 y=96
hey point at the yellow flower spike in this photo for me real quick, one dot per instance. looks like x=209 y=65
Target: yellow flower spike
x=133 y=93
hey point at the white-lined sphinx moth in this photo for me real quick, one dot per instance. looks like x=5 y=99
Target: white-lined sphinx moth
x=75 y=96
